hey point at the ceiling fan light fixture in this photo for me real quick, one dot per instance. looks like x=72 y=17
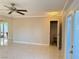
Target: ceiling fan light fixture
x=13 y=4
x=13 y=8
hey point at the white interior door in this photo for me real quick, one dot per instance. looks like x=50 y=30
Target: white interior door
x=76 y=36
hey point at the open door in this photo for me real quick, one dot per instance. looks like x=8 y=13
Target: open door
x=54 y=33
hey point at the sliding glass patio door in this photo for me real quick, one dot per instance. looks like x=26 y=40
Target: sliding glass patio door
x=3 y=33
x=76 y=36
x=72 y=36
x=68 y=36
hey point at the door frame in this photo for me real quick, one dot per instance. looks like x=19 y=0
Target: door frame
x=58 y=31
x=71 y=14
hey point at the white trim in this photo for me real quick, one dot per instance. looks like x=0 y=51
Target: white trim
x=65 y=5
x=27 y=16
x=54 y=19
x=58 y=34
x=30 y=43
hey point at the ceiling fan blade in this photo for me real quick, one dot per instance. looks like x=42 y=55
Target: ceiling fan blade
x=20 y=13
x=22 y=10
x=7 y=7
x=10 y=12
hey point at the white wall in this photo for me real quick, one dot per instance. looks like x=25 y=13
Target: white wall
x=31 y=30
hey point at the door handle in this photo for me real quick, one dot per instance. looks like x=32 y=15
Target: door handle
x=71 y=52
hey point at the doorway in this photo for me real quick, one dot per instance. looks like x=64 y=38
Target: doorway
x=3 y=33
x=54 y=33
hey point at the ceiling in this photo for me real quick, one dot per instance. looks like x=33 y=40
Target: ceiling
x=34 y=7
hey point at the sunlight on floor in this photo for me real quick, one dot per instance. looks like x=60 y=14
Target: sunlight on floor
x=3 y=41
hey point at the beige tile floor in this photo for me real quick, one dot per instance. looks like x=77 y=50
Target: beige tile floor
x=20 y=51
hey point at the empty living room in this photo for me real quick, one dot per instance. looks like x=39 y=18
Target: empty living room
x=39 y=29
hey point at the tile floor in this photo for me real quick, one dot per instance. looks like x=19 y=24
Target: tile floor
x=20 y=51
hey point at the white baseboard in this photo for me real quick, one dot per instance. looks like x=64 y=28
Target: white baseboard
x=30 y=43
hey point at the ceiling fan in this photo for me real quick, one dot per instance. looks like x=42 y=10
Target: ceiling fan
x=14 y=9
